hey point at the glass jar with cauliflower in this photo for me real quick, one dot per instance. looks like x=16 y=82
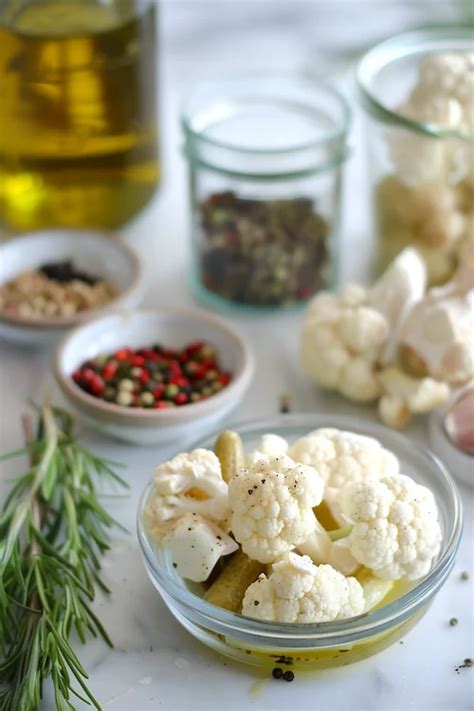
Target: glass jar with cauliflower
x=321 y=529
x=417 y=89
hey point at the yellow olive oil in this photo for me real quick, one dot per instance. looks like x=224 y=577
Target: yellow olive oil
x=78 y=114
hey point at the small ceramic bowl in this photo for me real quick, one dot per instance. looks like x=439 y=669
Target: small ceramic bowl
x=328 y=644
x=89 y=251
x=461 y=464
x=171 y=327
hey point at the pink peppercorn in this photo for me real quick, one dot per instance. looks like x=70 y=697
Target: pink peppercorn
x=109 y=371
x=161 y=404
x=144 y=376
x=97 y=386
x=123 y=354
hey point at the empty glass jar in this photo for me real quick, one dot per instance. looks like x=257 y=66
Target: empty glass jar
x=265 y=158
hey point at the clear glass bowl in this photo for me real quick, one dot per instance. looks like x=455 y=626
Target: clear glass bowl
x=265 y=159
x=313 y=645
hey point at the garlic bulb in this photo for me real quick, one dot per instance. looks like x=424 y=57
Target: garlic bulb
x=437 y=338
x=459 y=422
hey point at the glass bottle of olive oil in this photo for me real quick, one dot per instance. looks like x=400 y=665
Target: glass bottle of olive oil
x=78 y=112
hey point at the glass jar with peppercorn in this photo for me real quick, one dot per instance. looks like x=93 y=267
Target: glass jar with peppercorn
x=265 y=158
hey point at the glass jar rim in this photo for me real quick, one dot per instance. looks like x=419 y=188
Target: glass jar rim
x=336 y=134
x=396 y=47
x=342 y=631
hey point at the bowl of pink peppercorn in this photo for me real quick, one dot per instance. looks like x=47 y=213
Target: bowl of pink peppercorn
x=154 y=376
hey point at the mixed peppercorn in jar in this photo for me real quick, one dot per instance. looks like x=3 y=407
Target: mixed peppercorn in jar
x=265 y=162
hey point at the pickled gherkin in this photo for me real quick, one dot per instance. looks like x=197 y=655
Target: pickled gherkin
x=240 y=571
x=229 y=588
x=230 y=452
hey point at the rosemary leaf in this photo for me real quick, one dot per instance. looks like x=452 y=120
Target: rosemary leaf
x=53 y=530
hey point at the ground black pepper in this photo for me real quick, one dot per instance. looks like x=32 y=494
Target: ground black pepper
x=465 y=665
x=453 y=621
x=262 y=252
x=284 y=404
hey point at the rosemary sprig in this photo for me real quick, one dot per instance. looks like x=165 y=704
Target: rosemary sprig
x=53 y=531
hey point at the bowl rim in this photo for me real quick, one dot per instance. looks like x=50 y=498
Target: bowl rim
x=350 y=629
x=129 y=415
x=62 y=322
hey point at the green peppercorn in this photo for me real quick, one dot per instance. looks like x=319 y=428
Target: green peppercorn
x=124 y=397
x=208 y=351
x=170 y=391
x=100 y=361
x=147 y=399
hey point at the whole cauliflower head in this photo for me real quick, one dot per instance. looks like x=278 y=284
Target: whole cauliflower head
x=299 y=591
x=343 y=457
x=189 y=483
x=395 y=532
x=342 y=341
x=271 y=506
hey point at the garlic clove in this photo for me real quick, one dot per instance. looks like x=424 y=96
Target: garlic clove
x=438 y=333
x=459 y=421
x=397 y=290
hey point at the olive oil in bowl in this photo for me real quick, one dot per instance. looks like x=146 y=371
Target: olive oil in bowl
x=78 y=113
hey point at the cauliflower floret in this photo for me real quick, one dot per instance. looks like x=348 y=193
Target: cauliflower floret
x=321 y=549
x=196 y=545
x=343 y=458
x=272 y=506
x=405 y=396
x=190 y=482
x=342 y=340
x=270 y=445
x=299 y=591
x=395 y=532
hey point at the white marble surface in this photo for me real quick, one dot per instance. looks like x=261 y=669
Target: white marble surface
x=155 y=664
